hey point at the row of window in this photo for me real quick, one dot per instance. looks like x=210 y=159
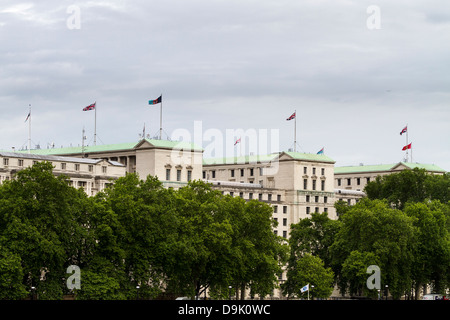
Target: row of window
x=349 y=181
x=314 y=184
x=178 y=172
x=316 y=199
x=251 y=172
x=63 y=165
x=260 y=196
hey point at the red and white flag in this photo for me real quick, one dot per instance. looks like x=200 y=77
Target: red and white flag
x=90 y=107
x=408 y=146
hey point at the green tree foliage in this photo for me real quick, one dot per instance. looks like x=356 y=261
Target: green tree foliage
x=308 y=269
x=432 y=250
x=414 y=185
x=40 y=218
x=134 y=234
x=371 y=226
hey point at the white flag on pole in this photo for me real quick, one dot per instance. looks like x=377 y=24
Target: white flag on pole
x=305 y=288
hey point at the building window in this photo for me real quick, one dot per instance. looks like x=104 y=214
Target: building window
x=168 y=174
x=305 y=184
x=358 y=181
x=284 y=209
x=260 y=196
x=5 y=161
x=284 y=222
x=189 y=175
x=213 y=173
x=77 y=167
x=82 y=184
x=314 y=171
x=63 y=166
x=104 y=169
x=178 y=175
x=308 y=210
x=367 y=180
x=284 y=234
x=242 y=172
x=339 y=182
x=307 y=198
x=203 y=173
x=250 y=195
x=251 y=172
x=305 y=170
x=275 y=209
x=269 y=197
x=91 y=168
x=278 y=197
x=316 y=198
x=325 y=210
x=325 y=199
x=314 y=185
x=322 y=185
x=232 y=173
x=20 y=163
x=349 y=181
x=323 y=171
x=316 y=210
x=231 y=193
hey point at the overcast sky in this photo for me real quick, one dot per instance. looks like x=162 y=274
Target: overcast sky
x=355 y=71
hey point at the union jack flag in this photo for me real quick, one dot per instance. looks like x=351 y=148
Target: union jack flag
x=90 y=107
x=291 y=117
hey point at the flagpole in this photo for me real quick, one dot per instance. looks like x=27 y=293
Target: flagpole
x=95 y=124
x=407 y=142
x=29 y=132
x=295 y=131
x=160 y=120
x=308 y=291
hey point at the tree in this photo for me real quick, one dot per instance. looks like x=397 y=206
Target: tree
x=354 y=273
x=432 y=251
x=309 y=269
x=40 y=217
x=371 y=226
x=11 y=275
x=313 y=235
x=414 y=185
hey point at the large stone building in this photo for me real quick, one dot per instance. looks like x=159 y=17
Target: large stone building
x=93 y=175
x=174 y=163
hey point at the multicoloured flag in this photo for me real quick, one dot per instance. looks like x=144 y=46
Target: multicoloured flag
x=305 y=288
x=404 y=130
x=90 y=107
x=29 y=114
x=291 y=117
x=408 y=146
x=320 y=151
x=156 y=101
x=237 y=141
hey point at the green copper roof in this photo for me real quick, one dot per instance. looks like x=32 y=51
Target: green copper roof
x=267 y=158
x=115 y=147
x=385 y=167
x=310 y=157
x=242 y=159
